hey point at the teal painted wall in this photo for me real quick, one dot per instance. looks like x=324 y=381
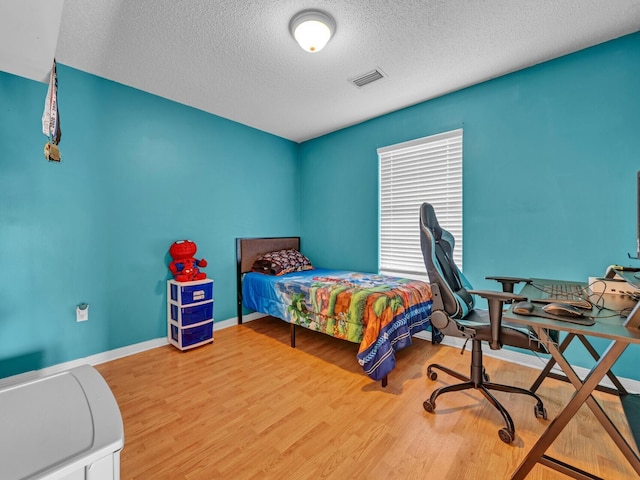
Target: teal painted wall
x=138 y=173
x=550 y=161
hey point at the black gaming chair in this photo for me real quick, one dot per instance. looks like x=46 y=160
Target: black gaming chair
x=453 y=314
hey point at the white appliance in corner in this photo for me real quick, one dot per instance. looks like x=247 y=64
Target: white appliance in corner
x=63 y=427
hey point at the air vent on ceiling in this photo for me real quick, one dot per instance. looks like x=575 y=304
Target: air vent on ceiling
x=367 y=78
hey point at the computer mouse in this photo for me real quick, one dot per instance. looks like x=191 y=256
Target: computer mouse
x=562 y=310
x=523 y=308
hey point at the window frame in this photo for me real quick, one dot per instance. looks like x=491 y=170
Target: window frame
x=425 y=169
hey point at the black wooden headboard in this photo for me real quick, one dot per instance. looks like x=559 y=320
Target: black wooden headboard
x=249 y=249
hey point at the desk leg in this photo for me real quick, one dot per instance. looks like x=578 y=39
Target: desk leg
x=595 y=407
x=582 y=395
x=619 y=390
x=546 y=372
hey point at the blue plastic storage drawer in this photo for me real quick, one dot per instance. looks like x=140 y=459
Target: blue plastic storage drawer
x=193 y=335
x=191 y=292
x=190 y=315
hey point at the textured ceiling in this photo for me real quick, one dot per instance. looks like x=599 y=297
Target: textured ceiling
x=28 y=36
x=236 y=58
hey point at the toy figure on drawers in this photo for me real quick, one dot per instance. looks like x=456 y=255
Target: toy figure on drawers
x=184 y=266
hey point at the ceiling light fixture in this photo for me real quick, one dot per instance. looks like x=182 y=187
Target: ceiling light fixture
x=312 y=29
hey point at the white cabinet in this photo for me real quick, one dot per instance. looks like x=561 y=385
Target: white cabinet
x=62 y=427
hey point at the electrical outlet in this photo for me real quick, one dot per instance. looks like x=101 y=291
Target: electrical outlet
x=82 y=312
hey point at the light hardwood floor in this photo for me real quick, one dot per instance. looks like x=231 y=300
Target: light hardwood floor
x=251 y=407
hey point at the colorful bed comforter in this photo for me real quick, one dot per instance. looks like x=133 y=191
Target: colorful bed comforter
x=379 y=312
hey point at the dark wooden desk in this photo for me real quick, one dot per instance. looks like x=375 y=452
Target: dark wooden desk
x=607 y=327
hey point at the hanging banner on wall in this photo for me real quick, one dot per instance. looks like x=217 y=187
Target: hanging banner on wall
x=51 y=119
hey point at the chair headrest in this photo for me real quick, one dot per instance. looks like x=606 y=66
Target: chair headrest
x=429 y=220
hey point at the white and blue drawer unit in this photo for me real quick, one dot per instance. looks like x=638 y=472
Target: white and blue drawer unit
x=190 y=313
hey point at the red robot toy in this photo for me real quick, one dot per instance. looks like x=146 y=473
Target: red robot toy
x=184 y=266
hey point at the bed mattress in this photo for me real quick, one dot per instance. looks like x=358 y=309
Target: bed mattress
x=379 y=312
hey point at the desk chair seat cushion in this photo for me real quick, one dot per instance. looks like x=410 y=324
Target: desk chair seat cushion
x=510 y=334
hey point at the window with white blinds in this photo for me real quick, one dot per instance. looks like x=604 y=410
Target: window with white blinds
x=428 y=169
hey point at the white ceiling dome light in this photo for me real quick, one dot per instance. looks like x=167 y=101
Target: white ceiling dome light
x=312 y=29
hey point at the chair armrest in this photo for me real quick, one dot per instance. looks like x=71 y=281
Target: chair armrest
x=509 y=282
x=501 y=296
x=496 y=301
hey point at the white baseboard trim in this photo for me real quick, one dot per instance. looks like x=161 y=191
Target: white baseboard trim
x=503 y=354
x=234 y=321
x=91 y=360
x=112 y=354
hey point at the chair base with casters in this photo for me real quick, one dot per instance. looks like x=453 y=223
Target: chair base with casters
x=479 y=380
x=479 y=326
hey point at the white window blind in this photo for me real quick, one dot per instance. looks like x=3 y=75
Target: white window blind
x=428 y=169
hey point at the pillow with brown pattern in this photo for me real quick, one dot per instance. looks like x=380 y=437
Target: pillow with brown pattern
x=281 y=262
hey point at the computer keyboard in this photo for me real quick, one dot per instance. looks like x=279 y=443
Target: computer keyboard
x=569 y=293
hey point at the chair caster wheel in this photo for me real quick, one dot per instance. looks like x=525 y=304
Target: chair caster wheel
x=431 y=375
x=485 y=376
x=428 y=406
x=540 y=412
x=505 y=435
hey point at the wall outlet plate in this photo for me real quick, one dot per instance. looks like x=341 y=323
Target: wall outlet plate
x=82 y=312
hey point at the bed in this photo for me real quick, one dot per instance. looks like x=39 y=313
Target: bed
x=380 y=313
